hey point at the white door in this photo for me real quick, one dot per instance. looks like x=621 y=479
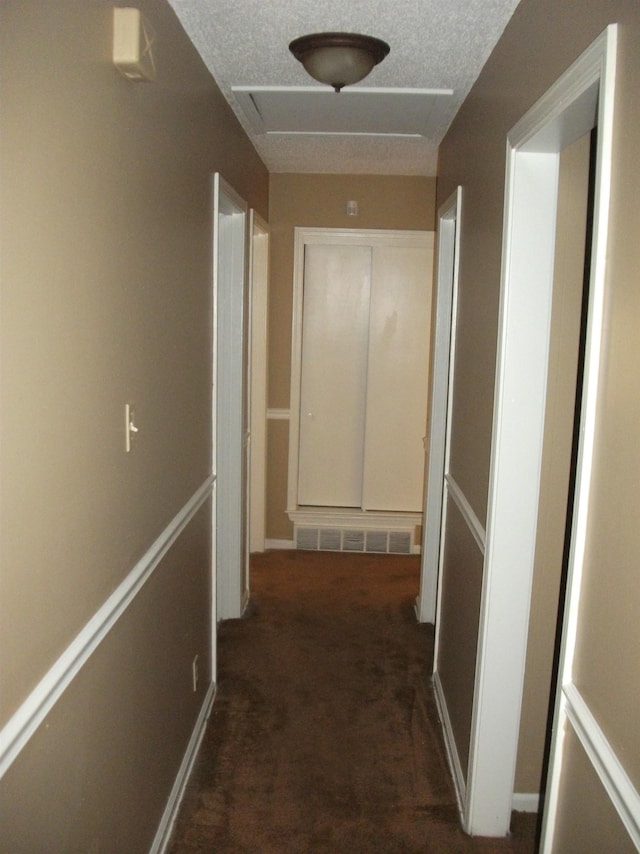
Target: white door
x=362 y=302
x=230 y=424
x=335 y=324
x=396 y=407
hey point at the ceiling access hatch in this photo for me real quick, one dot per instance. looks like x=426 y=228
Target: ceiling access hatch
x=311 y=110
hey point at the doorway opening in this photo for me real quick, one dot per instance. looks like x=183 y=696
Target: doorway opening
x=359 y=368
x=580 y=100
x=484 y=757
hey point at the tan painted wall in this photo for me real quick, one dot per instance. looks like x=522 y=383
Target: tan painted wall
x=96 y=775
x=106 y=254
x=541 y=41
x=392 y=202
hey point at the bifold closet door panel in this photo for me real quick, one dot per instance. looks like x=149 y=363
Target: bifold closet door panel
x=335 y=331
x=398 y=365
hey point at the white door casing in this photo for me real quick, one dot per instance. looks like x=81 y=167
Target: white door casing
x=582 y=98
x=372 y=254
x=573 y=717
x=257 y=379
x=448 y=252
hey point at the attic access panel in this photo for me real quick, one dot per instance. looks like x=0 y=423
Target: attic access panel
x=312 y=110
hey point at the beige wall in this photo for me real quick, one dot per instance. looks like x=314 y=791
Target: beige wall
x=106 y=254
x=540 y=42
x=389 y=202
x=105 y=240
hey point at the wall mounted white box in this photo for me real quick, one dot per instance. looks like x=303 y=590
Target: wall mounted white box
x=133 y=39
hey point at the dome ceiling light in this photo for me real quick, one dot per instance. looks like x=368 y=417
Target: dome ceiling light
x=338 y=59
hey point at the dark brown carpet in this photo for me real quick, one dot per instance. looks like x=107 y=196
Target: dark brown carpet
x=324 y=736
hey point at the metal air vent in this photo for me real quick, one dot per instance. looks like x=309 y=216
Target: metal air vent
x=374 y=541
x=330 y=539
x=306 y=538
x=399 y=542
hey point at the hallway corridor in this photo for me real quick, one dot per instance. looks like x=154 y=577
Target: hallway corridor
x=324 y=737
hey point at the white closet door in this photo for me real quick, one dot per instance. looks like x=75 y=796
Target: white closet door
x=398 y=361
x=335 y=324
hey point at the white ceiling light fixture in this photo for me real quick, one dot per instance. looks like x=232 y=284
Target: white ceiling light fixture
x=338 y=59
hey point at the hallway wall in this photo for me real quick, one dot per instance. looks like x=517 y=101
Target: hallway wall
x=105 y=235
x=319 y=201
x=540 y=42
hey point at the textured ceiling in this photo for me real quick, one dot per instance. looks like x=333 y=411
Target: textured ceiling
x=435 y=44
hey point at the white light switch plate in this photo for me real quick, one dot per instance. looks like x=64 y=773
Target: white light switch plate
x=130 y=427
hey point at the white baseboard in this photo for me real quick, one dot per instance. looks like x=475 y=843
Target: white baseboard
x=450 y=745
x=280 y=544
x=165 y=828
x=525 y=802
x=353 y=517
x=28 y=717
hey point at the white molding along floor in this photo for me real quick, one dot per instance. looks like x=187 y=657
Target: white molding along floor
x=280 y=544
x=165 y=828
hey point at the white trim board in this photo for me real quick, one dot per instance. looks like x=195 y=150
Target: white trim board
x=525 y=802
x=448 y=249
x=280 y=544
x=25 y=721
x=165 y=828
x=345 y=517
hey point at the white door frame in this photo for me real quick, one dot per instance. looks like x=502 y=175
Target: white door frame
x=582 y=97
x=572 y=711
x=257 y=380
x=229 y=427
x=447 y=264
